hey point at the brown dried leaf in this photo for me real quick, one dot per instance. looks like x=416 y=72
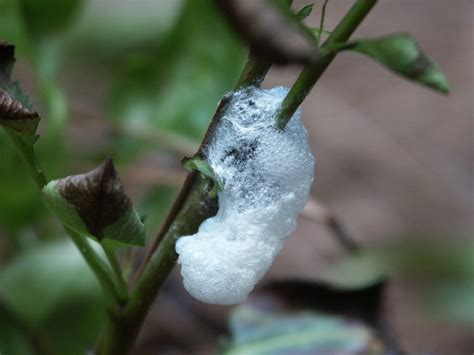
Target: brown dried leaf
x=11 y=109
x=97 y=196
x=15 y=109
x=272 y=34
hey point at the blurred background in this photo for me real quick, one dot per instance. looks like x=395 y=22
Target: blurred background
x=139 y=80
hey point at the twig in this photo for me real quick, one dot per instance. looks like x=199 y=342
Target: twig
x=321 y=21
x=193 y=204
x=97 y=265
x=312 y=72
x=191 y=208
x=122 y=287
x=316 y=211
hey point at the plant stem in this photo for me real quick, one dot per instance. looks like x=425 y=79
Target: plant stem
x=122 y=287
x=27 y=154
x=123 y=330
x=193 y=204
x=99 y=268
x=313 y=71
x=253 y=73
x=191 y=208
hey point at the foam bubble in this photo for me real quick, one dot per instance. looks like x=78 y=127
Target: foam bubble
x=266 y=175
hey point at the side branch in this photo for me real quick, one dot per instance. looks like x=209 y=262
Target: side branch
x=313 y=71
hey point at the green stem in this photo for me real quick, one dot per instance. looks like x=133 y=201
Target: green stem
x=27 y=154
x=253 y=73
x=197 y=206
x=193 y=204
x=190 y=209
x=313 y=71
x=122 y=287
x=98 y=266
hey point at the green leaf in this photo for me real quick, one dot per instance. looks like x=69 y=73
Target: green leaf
x=173 y=87
x=48 y=16
x=39 y=281
x=442 y=271
x=400 y=53
x=20 y=206
x=199 y=164
x=95 y=204
x=304 y=12
x=293 y=317
x=13 y=340
x=316 y=31
x=53 y=292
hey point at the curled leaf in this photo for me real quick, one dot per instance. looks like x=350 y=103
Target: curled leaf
x=272 y=31
x=96 y=204
x=16 y=116
x=15 y=110
x=401 y=53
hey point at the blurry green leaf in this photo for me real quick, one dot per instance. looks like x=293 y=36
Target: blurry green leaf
x=48 y=16
x=11 y=24
x=95 y=204
x=50 y=287
x=40 y=281
x=358 y=270
x=80 y=336
x=13 y=340
x=400 y=53
x=176 y=87
x=297 y=317
x=304 y=12
x=316 y=31
x=156 y=205
x=443 y=273
x=104 y=34
x=20 y=204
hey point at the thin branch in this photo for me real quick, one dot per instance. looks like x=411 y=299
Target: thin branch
x=191 y=208
x=321 y=214
x=97 y=265
x=193 y=204
x=28 y=156
x=312 y=72
x=122 y=287
x=321 y=21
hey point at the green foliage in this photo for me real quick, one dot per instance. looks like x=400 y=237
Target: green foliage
x=156 y=205
x=304 y=12
x=305 y=332
x=48 y=16
x=13 y=340
x=19 y=199
x=293 y=317
x=443 y=273
x=48 y=287
x=95 y=204
x=401 y=54
x=174 y=87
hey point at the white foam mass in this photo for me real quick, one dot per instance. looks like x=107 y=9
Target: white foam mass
x=266 y=175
